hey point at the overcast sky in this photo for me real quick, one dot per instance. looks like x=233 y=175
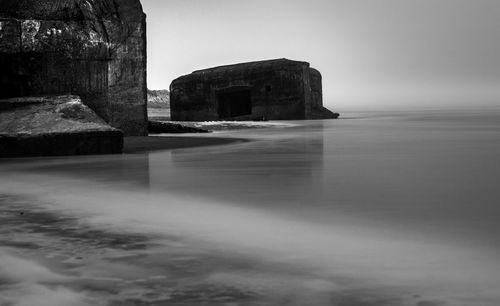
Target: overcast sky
x=371 y=53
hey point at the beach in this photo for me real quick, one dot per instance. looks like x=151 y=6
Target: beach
x=382 y=208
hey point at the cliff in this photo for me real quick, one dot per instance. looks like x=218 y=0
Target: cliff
x=158 y=98
x=159 y=105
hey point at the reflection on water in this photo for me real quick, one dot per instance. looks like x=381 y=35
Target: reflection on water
x=378 y=210
x=283 y=167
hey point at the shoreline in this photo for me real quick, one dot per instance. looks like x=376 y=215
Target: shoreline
x=145 y=144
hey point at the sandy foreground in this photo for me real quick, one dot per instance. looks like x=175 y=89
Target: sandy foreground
x=53 y=254
x=49 y=257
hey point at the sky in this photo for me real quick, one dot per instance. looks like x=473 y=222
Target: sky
x=371 y=53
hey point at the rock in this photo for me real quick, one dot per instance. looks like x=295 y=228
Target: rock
x=95 y=49
x=278 y=89
x=323 y=113
x=60 y=125
x=157 y=127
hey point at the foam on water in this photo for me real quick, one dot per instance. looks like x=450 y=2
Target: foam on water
x=236 y=125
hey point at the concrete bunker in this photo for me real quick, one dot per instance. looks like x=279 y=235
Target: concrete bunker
x=263 y=90
x=95 y=49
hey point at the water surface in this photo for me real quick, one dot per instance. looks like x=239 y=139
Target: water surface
x=373 y=209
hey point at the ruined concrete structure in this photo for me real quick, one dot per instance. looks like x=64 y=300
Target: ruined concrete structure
x=92 y=48
x=58 y=125
x=264 y=90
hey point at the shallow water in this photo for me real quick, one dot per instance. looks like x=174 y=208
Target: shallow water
x=373 y=209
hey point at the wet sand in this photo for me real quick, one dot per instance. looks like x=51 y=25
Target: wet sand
x=63 y=259
x=49 y=258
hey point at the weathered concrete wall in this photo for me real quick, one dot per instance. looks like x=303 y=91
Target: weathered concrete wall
x=92 y=48
x=318 y=111
x=127 y=72
x=275 y=89
x=316 y=88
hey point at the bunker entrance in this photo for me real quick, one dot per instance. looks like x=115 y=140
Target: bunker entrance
x=234 y=103
x=13 y=77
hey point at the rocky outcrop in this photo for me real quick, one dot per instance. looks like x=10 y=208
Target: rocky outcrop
x=92 y=48
x=60 y=125
x=323 y=113
x=157 y=127
x=278 y=89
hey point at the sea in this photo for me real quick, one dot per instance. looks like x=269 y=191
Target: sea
x=375 y=208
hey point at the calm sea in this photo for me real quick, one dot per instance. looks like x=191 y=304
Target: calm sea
x=381 y=208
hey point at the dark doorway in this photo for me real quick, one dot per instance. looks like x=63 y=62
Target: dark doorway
x=234 y=103
x=14 y=78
